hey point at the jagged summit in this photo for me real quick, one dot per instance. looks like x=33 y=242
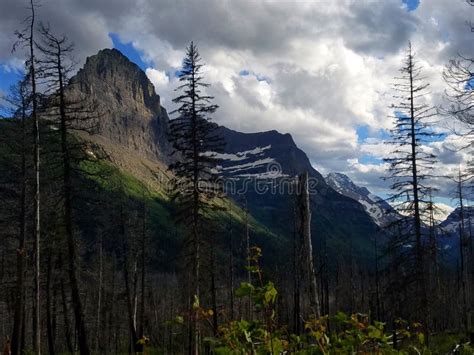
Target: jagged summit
x=129 y=83
x=131 y=112
x=341 y=182
x=452 y=223
x=275 y=150
x=380 y=211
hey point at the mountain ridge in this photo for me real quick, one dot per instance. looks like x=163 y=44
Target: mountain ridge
x=135 y=120
x=381 y=212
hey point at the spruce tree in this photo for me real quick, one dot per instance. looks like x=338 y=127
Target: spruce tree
x=66 y=113
x=193 y=137
x=410 y=166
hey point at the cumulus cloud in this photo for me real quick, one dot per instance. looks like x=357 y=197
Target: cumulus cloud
x=159 y=79
x=316 y=69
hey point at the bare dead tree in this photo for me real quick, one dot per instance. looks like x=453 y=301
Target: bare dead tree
x=66 y=113
x=459 y=77
x=19 y=102
x=26 y=37
x=410 y=165
x=305 y=246
x=462 y=179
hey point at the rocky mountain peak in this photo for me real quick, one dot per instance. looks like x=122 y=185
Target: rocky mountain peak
x=122 y=79
x=253 y=154
x=380 y=211
x=341 y=182
x=131 y=114
x=454 y=218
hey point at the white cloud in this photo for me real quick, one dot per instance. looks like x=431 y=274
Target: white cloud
x=329 y=64
x=13 y=65
x=158 y=78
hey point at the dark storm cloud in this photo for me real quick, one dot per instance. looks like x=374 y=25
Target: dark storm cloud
x=86 y=28
x=259 y=26
x=378 y=28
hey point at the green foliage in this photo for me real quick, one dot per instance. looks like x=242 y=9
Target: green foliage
x=444 y=343
x=254 y=336
x=354 y=334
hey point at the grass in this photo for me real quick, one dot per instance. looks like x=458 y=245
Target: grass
x=158 y=203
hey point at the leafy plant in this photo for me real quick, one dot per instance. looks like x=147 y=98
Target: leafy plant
x=350 y=334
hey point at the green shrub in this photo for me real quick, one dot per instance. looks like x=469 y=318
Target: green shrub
x=353 y=334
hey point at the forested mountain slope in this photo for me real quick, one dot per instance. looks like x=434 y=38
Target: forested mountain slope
x=133 y=131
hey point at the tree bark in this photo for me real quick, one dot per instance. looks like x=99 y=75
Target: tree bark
x=49 y=321
x=21 y=252
x=67 y=192
x=99 y=296
x=416 y=202
x=67 y=329
x=307 y=247
x=37 y=204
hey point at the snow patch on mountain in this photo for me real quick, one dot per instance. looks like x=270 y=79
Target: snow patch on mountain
x=373 y=210
x=264 y=176
x=251 y=165
x=449 y=231
x=237 y=156
x=379 y=210
x=452 y=223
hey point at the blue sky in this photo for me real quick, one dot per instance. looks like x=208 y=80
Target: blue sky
x=412 y=5
x=129 y=50
x=259 y=77
x=8 y=77
x=320 y=73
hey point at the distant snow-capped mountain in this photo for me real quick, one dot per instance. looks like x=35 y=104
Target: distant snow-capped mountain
x=449 y=230
x=448 y=220
x=452 y=223
x=380 y=211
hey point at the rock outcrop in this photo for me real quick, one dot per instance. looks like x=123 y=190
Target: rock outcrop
x=130 y=111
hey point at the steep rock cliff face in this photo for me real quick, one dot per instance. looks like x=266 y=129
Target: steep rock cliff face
x=130 y=110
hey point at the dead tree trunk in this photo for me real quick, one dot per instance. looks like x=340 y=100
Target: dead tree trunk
x=21 y=252
x=306 y=249
x=99 y=294
x=67 y=330
x=463 y=242
x=296 y=274
x=128 y=295
x=141 y=314
x=49 y=322
x=247 y=251
x=231 y=272
x=37 y=204
x=215 y=324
